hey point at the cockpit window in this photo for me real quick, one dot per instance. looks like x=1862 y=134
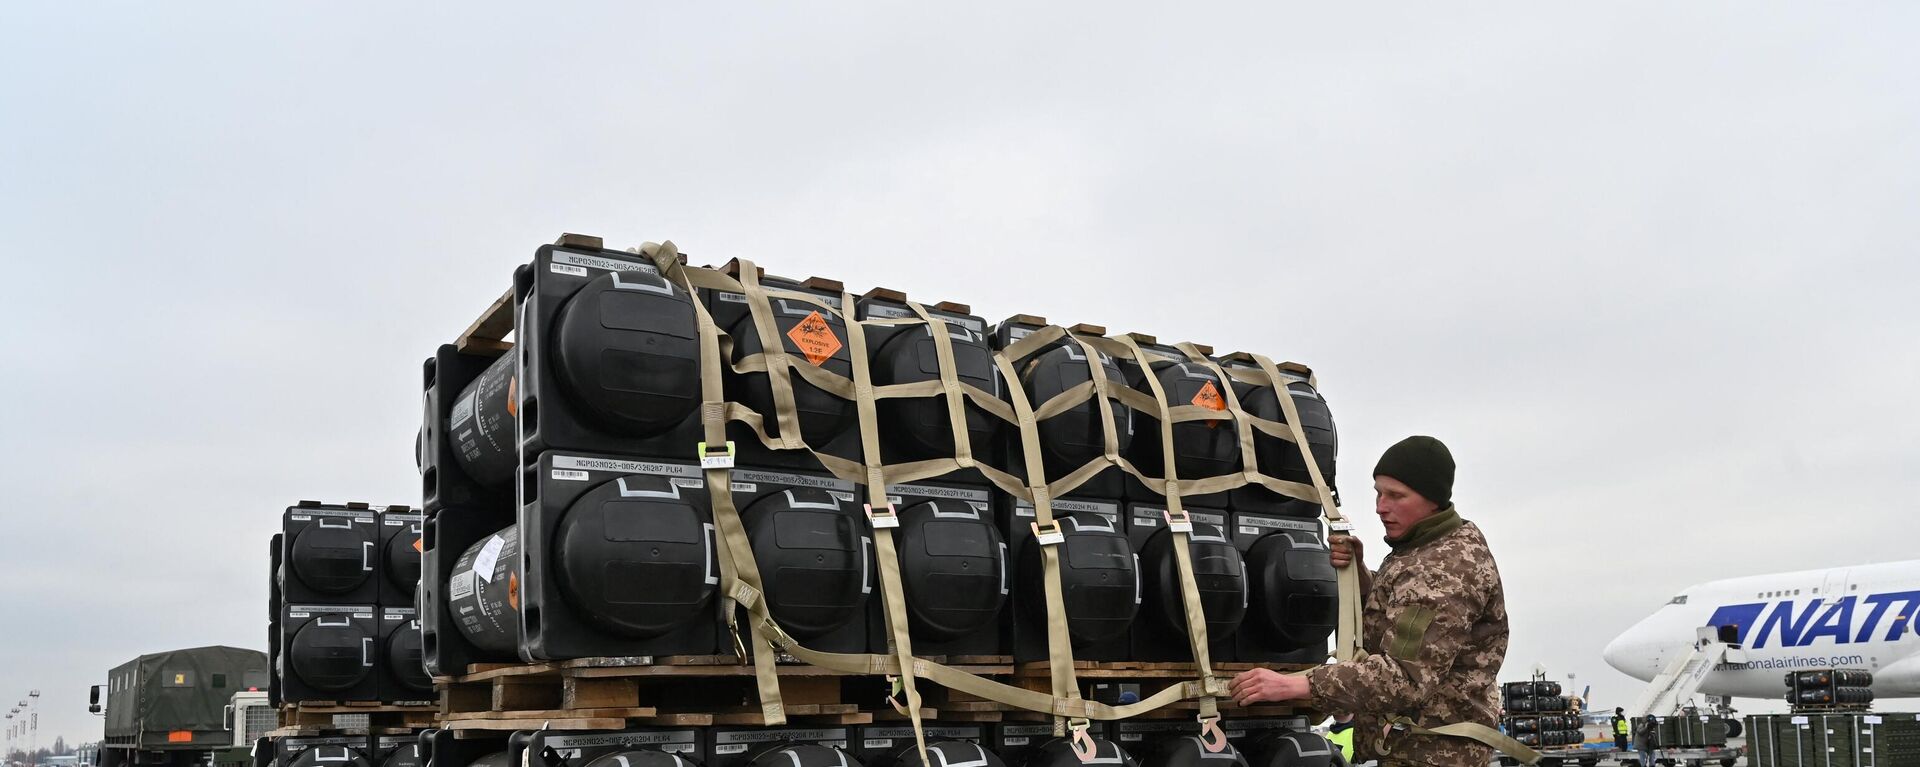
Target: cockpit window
x=1679 y=600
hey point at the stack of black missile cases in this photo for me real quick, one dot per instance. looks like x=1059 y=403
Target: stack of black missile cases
x=1830 y=689
x=1537 y=715
x=343 y=624
x=567 y=513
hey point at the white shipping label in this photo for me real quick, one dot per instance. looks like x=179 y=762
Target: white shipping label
x=559 y=268
x=462 y=412
x=462 y=586
x=1245 y=530
x=489 y=556
x=1016 y=741
x=745 y=487
x=568 y=475
x=730 y=748
x=603 y=263
x=877 y=743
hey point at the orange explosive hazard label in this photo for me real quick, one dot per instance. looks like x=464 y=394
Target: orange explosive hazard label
x=1209 y=397
x=815 y=338
x=416 y=547
x=513 y=590
x=513 y=393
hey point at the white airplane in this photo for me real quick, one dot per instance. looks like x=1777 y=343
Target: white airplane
x=1865 y=617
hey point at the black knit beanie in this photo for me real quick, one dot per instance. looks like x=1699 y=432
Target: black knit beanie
x=1424 y=464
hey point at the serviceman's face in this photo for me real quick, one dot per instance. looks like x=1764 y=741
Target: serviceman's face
x=1399 y=506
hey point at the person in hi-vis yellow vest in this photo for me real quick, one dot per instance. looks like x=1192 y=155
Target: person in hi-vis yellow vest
x=1620 y=728
x=1341 y=735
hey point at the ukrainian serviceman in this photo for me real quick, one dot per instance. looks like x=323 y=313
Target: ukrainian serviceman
x=1434 y=624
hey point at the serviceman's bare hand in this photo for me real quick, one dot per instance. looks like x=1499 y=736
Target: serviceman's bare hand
x=1264 y=685
x=1345 y=549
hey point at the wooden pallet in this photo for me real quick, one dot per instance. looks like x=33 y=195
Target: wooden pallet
x=614 y=693
x=316 y=717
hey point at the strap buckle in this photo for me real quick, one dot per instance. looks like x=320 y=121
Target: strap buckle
x=1083 y=745
x=1212 y=738
x=1050 y=535
x=883 y=519
x=714 y=460
x=1179 y=524
x=896 y=695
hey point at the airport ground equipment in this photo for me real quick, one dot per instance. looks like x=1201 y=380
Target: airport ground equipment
x=1677 y=684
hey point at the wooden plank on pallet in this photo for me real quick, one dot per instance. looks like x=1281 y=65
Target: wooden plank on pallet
x=806 y=715
x=461 y=698
x=588 y=692
x=488 y=330
x=481 y=672
x=508 y=725
x=524 y=693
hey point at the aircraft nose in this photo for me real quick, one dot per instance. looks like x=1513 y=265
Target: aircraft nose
x=1627 y=657
x=1614 y=654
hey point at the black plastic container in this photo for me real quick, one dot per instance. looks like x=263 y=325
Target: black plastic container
x=1074 y=437
x=892 y=745
x=955 y=568
x=329 y=653
x=1015 y=742
x=274 y=605
x=1291 y=748
x=403 y=670
x=616 y=557
x=1100 y=588
x=606 y=360
x=1280 y=458
x=1058 y=752
x=768 y=746
x=815 y=554
x=1294 y=592
x=1027 y=637
x=443 y=749
x=1241 y=730
x=1201 y=448
x=1144 y=736
x=638 y=747
x=1160 y=632
x=918 y=428
x=1191 y=751
x=331 y=554
x=398 y=751
x=810 y=335
x=455 y=431
x=400 y=556
x=445 y=538
x=332 y=751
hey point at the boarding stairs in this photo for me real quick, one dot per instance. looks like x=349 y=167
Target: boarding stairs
x=1682 y=678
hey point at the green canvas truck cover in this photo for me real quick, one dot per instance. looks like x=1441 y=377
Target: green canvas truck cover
x=178 y=698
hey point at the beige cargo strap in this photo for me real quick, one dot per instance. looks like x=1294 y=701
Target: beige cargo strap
x=1180 y=526
x=1479 y=733
x=1347 y=638
x=739 y=575
x=1048 y=536
x=883 y=519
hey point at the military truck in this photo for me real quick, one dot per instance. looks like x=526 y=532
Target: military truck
x=170 y=709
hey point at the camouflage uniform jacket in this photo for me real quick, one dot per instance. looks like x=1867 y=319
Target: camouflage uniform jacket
x=1435 y=630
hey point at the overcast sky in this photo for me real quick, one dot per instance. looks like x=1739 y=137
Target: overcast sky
x=1648 y=268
